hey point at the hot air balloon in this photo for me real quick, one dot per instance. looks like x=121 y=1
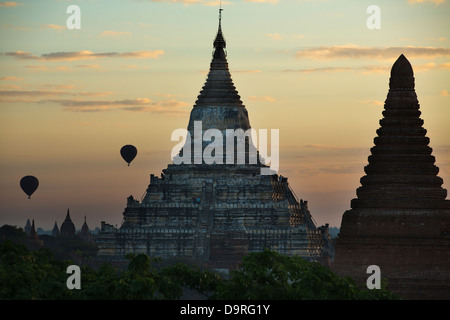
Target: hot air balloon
x=128 y=153
x=29 y=184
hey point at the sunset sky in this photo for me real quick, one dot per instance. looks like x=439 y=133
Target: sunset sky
x=70 y=99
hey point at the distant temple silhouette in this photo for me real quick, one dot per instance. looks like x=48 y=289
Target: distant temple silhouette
x=67 y=227
x=67 y=230
x=400 y=220
x=32 y=241
x=216 y=213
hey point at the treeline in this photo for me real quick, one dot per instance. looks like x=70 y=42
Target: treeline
x=267 y=275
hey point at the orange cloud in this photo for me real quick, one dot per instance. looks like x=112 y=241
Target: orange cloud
x=88 y=66
x=142 y=54
x=23 y=55
x=436 y=2
x=266 y=98
x=171 y=107
x=373 y=102
x=37 y=68
x=274 y=36
x=9 y=78
x=10 y=26
x=357 y=52
x=425 y=67
x=53 y=26
x=10 y=4
x=36 y=96
x=85 y=55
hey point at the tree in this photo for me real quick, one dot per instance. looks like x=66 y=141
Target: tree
x=26 y=274
x=269 y=275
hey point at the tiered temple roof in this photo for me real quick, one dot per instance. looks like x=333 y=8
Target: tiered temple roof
x=216 y=213
x=67 y=227
x=401 y=170
x=400 y=220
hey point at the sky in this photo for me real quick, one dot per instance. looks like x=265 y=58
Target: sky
x=314 y=70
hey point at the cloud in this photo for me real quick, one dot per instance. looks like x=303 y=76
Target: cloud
x=63 y=68
x=439 y=39
x=142 y=54
x=53 y=26
x=10 y=26
x=436 y=2
x=86 y=55
x=109 y=33
x=425 y=67
x=88 y=66
x=370 y=69
x=56 y=86
x=351 y=51
x=130 y=66
x=22 y=55
x=37 y=96
x=37 y=68
x=10 y=4
x=266 y=98
x=28 y=96
x=10 y=78
x=70 y=100
x=373 y=102
x=12 y=93
x=171 y=107
x=274 y=36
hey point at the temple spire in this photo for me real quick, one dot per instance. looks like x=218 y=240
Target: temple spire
x=219 y=42
x=401 y=170
x=219 y=89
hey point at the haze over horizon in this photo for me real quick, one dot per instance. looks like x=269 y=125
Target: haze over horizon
x=70 y=99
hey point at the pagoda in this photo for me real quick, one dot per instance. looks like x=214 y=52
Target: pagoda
x=400 y=220
x=214 y=214
x=67 y=227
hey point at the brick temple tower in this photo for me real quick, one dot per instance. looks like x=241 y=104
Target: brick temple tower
x=216 y=213
x=400 y=219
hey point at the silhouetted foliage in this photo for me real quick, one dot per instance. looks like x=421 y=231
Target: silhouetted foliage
x=269 y=275
x=12 y=233
x=26 y=274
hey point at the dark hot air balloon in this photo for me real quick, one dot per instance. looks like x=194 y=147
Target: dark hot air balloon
x=128 y=153
x=29 y=184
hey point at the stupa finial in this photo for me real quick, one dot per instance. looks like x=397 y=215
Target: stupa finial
x=402 y=75
x=219 y=41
